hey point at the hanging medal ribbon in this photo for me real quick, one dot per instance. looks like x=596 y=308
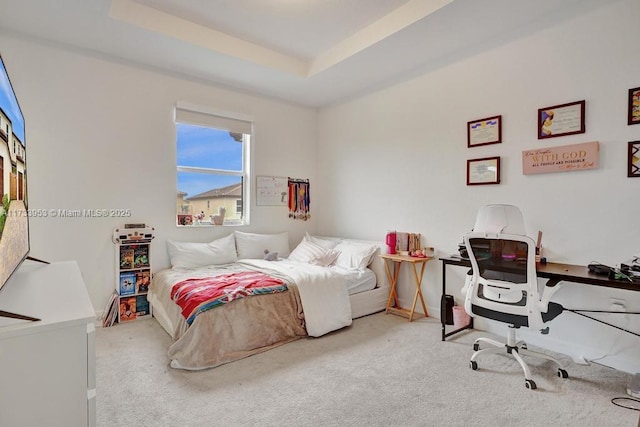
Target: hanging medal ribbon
x=299 y=199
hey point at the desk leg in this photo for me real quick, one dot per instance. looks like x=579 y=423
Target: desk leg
x=442 y=317
x=444 y=292
x=393 y=280
x=418 y=279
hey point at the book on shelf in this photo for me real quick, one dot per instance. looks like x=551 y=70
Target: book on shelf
x=143 y=278
x=127 y=309
x=127 y=283
x=142 y=305
x=141 y=256
x=126 y=257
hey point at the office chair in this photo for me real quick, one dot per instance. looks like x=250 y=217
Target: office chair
x=503 y=285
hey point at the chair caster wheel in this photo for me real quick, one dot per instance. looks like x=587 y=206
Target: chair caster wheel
x=524 y=346
x=562 y=373
x=473 y=365
x=530 y=384
x=476 y=347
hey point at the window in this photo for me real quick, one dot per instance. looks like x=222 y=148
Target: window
x=212 y=168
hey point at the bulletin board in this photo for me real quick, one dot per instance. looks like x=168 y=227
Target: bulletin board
x=272 y=191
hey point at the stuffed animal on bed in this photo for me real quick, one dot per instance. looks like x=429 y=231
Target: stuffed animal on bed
x=270 y=256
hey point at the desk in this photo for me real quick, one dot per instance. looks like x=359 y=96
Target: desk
x=397 y=261
x=555 y=272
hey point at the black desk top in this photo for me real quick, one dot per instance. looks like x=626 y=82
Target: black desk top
x=557 y=272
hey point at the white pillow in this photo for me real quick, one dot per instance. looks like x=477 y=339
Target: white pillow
x=191 y=254
x=311 y=253
x=327 y=258
x=253 y=245
x=355 y=255
x=325 y=243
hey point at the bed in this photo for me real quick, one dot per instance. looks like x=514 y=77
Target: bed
x=323 y=284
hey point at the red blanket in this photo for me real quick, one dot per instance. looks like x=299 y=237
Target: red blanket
x=197 y=295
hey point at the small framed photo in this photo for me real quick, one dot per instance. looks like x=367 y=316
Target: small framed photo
x=633 y=168
x=634 y=106
x=185 y=219
x=484 y=131
x=561 y=120
x=483 y=171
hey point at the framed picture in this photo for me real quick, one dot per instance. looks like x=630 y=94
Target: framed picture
x=484 y=131
x=634 y=106
x=561 y=120
x=483 y=171
x=184 y=219
x=633 y=168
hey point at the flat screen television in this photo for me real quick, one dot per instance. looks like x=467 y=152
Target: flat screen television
x=14 y=218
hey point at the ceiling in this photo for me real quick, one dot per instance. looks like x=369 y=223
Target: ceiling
x=309 y=52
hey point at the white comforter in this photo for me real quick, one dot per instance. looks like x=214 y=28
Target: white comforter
x=324 y=296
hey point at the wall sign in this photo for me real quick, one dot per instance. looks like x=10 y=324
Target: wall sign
x=561 y=159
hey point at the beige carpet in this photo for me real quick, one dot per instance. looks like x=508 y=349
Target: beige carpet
x=381 y=371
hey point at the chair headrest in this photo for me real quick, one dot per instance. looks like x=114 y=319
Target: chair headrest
x=498 y=219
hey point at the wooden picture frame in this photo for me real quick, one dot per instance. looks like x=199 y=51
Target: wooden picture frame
x=484 y=131
x=483 y=171
x=634 y=106
x=633 y=165
x=561 y=120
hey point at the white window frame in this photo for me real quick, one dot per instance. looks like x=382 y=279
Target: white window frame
x=189 y=113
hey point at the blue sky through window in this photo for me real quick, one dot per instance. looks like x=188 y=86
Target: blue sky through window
x=204 y=147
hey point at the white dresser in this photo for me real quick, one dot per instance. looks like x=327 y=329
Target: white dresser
x=47 y=368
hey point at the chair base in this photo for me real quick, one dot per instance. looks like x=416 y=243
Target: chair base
x=517 y=349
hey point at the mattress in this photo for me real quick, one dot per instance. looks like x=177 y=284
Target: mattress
x=359 y=280
x=369 y=302
x=319 y=300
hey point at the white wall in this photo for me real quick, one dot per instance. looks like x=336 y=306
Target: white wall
x=398 y=162
x=100 y=135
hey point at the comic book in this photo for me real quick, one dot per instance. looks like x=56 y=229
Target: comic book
x=127 y=283
x=110 y=314
x=127 y=309
x=126 y=257
x=141 y=256
x=142 y=306
x=143 y=278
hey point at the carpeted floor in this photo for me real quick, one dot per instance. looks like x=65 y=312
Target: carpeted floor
x=381 y=371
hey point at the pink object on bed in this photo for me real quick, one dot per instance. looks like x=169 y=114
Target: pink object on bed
x=197 y=295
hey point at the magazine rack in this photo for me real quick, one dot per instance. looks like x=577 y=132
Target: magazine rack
x=133 y=274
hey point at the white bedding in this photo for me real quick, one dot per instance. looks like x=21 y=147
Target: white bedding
x=320 y=300
x=324 y=296
x=324 y=292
